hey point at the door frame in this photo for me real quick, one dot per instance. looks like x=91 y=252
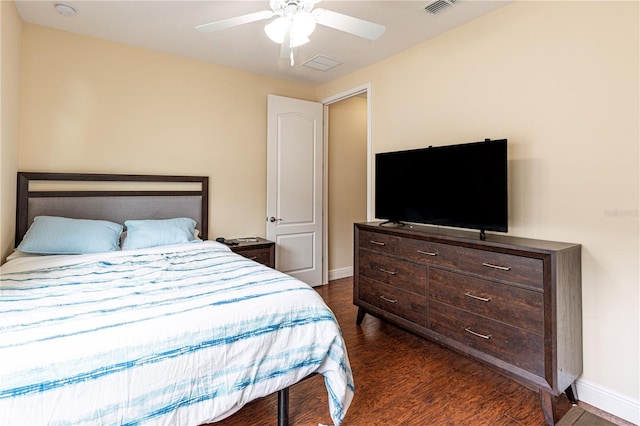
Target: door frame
x=363 y=88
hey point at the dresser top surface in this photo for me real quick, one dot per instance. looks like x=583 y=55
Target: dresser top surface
x=466 y=238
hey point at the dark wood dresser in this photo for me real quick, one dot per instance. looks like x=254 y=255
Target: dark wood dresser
x=258 y=249
x=512 y=303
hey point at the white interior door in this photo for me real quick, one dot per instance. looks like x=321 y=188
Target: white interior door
x=294 y=186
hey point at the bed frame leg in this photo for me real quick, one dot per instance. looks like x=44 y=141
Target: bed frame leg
x=283 y=407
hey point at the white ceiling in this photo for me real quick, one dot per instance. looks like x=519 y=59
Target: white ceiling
x=168 y=26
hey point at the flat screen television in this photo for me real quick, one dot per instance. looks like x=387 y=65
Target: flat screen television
x=462 y=186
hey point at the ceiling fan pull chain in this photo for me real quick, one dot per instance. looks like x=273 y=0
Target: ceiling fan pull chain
x=290 y=35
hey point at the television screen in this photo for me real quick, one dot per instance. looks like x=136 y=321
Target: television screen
x=463 y=186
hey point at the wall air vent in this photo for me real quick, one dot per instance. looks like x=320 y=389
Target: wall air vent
x=438 y=6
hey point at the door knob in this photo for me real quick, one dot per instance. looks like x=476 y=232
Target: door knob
x=273 y=219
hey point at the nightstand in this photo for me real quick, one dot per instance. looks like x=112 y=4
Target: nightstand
x=258 y=249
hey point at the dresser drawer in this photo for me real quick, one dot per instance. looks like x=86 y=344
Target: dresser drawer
x=257 y=249
x=407 y=305
x=510 y=344
x=512 y=305
x=382 y=243
x=395 y=272
x=260 y=255
x=430 y=252
x=521 y=270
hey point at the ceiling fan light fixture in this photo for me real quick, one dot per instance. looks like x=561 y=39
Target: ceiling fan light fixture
x=299 y=25
x=277 y=29
x=299 y=41
x=303 y=24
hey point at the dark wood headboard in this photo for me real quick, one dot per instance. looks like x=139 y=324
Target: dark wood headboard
x=168 y=197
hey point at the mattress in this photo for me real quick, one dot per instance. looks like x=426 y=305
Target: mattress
x=180 y=335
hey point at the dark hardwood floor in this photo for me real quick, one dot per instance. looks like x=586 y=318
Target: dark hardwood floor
x=403 y=379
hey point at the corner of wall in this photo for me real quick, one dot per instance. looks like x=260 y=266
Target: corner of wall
x=10 y=70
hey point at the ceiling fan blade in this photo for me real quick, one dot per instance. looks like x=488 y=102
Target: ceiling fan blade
x=232 y=22
x=349 y=24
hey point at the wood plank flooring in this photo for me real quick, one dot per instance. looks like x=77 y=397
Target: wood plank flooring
x=403 y=379
x=579 y=417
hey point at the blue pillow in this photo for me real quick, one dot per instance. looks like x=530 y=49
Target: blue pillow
x=153 y=233
x=61 y=235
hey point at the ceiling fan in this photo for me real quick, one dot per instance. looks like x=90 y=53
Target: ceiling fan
x=296 y=21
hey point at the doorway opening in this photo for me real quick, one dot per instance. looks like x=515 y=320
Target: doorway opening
x=347 y=176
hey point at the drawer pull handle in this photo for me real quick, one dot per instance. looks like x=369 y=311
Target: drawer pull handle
x=473 y=296
x=387 y=271
x=378 y=243
x=386 y=299
x=253 y=257
x=428 y=253
x=484 y=336
x=491 y=265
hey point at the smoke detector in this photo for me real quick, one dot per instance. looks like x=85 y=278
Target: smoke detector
x=64 y=9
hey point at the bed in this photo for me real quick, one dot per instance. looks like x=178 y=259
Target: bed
x=180 y=333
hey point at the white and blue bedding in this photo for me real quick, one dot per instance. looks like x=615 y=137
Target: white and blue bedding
x=174 y=335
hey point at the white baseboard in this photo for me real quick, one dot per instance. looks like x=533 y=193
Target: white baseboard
x=336 y=274
x=609 y=401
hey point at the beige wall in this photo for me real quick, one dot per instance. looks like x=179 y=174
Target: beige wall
x=10 y=47
x=95 y=106
x=560 y=81
x=347 y=178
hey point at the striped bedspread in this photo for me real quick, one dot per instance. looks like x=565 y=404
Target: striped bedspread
x=178 y=335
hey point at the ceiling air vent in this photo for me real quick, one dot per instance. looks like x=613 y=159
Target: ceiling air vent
x=321 y=63
x=438 y=6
